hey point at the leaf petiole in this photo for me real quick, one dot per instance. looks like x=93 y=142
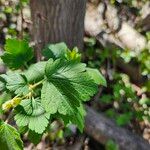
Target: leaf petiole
x=36 y=84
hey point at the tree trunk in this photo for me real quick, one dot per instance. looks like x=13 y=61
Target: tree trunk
x=58 y=21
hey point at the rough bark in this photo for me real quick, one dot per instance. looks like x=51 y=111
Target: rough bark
x=102 y=129
x=58 y=21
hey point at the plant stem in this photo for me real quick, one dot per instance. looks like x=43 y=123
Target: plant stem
x=36 y=84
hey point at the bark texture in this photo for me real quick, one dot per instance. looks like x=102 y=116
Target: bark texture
x=102 y=129
x=58 y=21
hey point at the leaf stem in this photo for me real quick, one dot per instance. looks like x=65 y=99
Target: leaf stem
x=36 y=84
x=14 y=102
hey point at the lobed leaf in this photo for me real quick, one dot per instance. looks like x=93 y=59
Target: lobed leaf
x=55 y=50
x=35 y=72
x=30 y=113
x=96 y=76
x=77 y=118
x=66 y=86
x=17 y=83
x=17 y=53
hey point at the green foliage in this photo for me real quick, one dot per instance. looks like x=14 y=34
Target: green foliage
x=75 y=118
x=17 y=53
x=34 y=137
x=111 y=145
x=144 y=100
x=60 y=50
x=118 y=100
x=66 y=86
x=17 y=83
x=106 y=99
x=47 y=90
x=125 y=106
x=55 y=50
x=35 y=72
x=24 y=1
x=73 y=55
x=9 y=138
x=8 y=10
x=96 y=76
x=124 y=119
x=144 y=59
x=121 y=96
x=30 y=113
x=78 y=118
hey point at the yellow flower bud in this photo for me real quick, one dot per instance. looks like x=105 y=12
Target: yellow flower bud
x=7 y=105
x=15 y=101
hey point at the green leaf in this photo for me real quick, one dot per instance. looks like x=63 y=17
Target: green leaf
x=34 y=137
x=53 y=100
x=8 y=10
x=17 y=53
x=30 y=113
x=25 y=1
x=63 y=69
x=106 y=99
x=55 y=50
x=17 y=83
x=73 y=55
x=111 y=145
x=97 y=76
x=144 y=100
x=66 y=86
x=124 y=119
x=9 y=138
x=22 y=130
x=35 y=72
x=90 y=42
x=110 y=113
x=78 y=118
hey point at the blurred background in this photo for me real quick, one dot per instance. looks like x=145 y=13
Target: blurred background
x=117 y=42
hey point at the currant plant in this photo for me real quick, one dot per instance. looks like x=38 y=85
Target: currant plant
x=45 y=91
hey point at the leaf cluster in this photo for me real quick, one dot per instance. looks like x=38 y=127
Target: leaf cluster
x=47 y=90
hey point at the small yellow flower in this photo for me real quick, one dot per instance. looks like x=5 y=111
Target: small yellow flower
x=15 y=101
x=11 y=103
x=7 y=105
